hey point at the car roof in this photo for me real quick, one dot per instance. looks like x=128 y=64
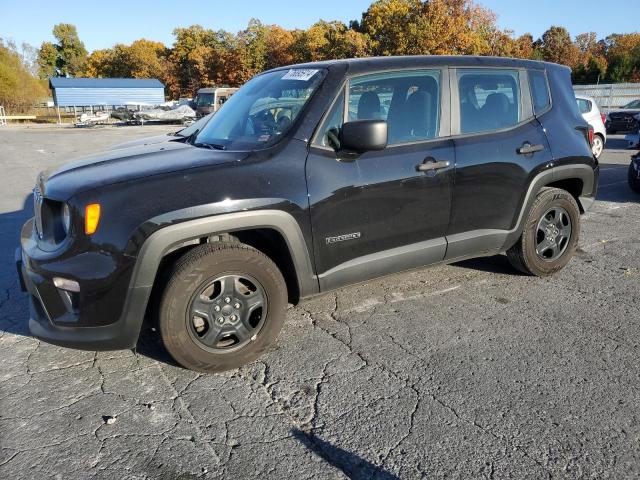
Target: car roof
x=585 y=97
x=359 y=65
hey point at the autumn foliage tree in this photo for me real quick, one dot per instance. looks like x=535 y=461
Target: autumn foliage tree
x=18 y=87
x=201 y=57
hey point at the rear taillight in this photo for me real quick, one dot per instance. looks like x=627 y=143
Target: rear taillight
x=591 y=134
x=604 y=117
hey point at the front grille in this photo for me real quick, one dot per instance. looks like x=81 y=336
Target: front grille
x=37 y=208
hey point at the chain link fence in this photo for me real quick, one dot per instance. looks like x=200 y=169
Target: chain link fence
x=610 y=96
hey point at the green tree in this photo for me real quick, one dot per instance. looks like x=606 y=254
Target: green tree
x=47 y=60
x=593 y=72
x=66 y=57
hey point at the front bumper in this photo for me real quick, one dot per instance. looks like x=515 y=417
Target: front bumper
x=56 y=317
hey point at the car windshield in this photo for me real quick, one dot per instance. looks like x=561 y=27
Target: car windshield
x=204 y=99
x=261 y=111
x=634 y=104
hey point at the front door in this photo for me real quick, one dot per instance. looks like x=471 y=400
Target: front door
x=383 y=211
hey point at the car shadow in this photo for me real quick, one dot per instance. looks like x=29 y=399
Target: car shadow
x=352 y=465
x=14 y=306
x=498 y=264
x=613 y=185
x=150 y=345
x=616 y=144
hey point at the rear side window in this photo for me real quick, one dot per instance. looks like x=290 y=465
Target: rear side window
x=489 y=99
x=584 y=105
x=539 y=91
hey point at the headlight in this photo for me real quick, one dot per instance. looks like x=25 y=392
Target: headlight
x=66 y=219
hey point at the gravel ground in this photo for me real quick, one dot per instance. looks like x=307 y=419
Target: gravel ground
x=462 y=371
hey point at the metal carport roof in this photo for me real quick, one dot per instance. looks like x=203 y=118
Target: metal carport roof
x=69 y=92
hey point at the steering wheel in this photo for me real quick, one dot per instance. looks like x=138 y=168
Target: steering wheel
x=332 y=137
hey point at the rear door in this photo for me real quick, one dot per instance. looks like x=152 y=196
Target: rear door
x=383 y=211
x=499 y=147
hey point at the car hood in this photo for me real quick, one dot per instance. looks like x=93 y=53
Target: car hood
x=146 y=141
x=632 y=111
x=129 y=164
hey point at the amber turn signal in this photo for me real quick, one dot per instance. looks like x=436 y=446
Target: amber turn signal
x=91 y=218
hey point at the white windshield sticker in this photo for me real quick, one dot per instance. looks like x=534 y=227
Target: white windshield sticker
x=303 y=74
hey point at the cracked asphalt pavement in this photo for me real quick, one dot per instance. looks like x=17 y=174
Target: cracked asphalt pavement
x=462 y=371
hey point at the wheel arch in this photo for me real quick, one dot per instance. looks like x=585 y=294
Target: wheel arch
x=580 y=180
x=275 y=231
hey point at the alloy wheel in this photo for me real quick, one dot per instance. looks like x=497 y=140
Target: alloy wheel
x=598 y=146
x=227 y=312
x=553 y=233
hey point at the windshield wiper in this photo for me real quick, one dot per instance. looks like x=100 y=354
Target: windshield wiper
x=211 y=146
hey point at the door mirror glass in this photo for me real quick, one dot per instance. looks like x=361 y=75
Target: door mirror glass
x=364 y=135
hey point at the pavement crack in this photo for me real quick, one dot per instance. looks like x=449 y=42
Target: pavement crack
x=489 y=432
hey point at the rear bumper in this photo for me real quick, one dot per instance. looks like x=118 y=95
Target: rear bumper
x=588 y=198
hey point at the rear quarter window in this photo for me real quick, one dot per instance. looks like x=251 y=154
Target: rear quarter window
x=539 y=91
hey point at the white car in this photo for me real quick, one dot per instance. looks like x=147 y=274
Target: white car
x=591 y=113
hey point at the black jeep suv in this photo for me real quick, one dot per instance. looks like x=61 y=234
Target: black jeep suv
x=310 y=178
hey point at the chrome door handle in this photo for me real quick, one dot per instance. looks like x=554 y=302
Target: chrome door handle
x=431 y=165
x=528 y=149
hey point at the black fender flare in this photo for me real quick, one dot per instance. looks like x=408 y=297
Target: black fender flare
x=164 y=240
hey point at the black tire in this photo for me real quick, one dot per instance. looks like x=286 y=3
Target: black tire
x=634 y=181
x=194 y=270
x=524 y=256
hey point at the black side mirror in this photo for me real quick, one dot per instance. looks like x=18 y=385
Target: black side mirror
x=364 y=135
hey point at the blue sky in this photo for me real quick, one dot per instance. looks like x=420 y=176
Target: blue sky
x=102 y=24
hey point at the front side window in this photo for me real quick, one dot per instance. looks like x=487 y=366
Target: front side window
x=634 y=104
x=330 y=132
x=263 y=110
x=489 y=99
x=409 y=101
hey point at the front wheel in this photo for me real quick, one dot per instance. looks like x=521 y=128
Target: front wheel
x=224 y=305
x=550 y=235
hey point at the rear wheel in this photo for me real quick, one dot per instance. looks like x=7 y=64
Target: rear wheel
x=634 y=180
x=223 y=306
x=550 y=235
